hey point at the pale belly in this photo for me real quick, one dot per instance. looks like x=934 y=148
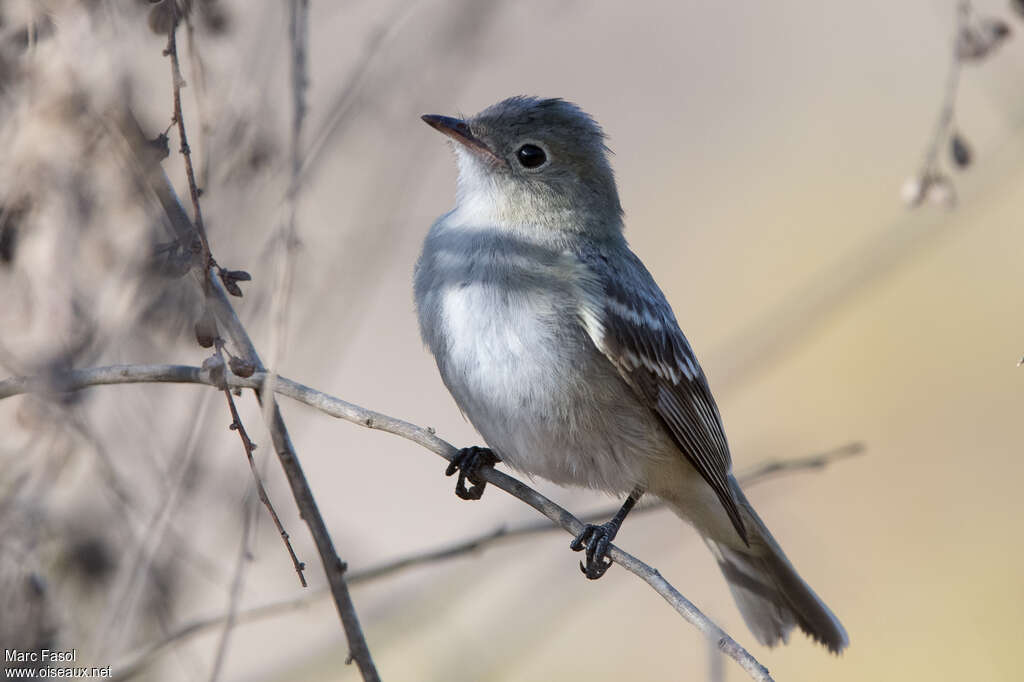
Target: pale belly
x=529 y=379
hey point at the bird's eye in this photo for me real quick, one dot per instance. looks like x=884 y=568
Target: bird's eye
x=531 y=156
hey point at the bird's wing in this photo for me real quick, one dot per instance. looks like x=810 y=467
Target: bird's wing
x=629 y=320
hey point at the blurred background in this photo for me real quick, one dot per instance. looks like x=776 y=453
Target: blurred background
x=760 y=150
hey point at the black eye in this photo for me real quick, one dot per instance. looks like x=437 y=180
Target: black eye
x=531 y=156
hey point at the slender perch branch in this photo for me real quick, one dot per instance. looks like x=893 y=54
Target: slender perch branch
x=139 y=660
x=336 y=407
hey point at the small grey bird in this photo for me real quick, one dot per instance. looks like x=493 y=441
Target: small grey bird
x=562 y=351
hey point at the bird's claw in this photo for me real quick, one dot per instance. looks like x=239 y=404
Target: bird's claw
x=468 y=462
x=595 y=539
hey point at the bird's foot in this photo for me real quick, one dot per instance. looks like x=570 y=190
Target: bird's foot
x=468 y=462
x=595 y=540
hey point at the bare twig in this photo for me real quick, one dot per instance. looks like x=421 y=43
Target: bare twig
x=154 y=182
x=461 y=548
x=133 y=665
x=930 y=181
x=334 y=567
x=341 y=105
x=428 y=439
x=198 y=75
x=948 y=108
x=974 y=39
x=119 y=616
x=280 y=305
x=716 y=669
x=237 y=582
x=299 y=41
x=261 y=491
x=177 y=83
x=766 y=470
x=757 y=474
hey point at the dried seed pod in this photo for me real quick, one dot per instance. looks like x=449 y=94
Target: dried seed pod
x=160 y=147
x=960 y=151
x=214 y=17
x=978 y=41
x=11 y=218
x=998 y=29
x=231 y=279
x=165 y=15
x=240 y=367
x=206 y=329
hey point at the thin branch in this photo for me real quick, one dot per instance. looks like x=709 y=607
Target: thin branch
x=341 y=105
x=757 y=474
x=429 y=440
x=974 y=39
x=929 y=165
x=198 y=74
x=334 y=567
x=280 y=308
x=118 y=617
x=140 y=660
x=716 y=669
x=177 y=83
x=299 y=41
x=261 y=491
x=769 y=469
x=467 y=546
x=237 y=582
x=154 y=183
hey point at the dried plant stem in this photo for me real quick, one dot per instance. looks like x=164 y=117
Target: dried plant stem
x=261 y=491
x=281 y=302
x=429 y=440
x=198 y=75
x=945 y=121
x=155 y=184
x=341 y=106
x=237 y=583
x=334 y=567
x=177 y=83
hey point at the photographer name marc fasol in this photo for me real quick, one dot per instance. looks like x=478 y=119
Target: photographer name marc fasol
x=42 y=656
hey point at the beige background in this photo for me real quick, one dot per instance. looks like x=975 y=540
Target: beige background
x=760 y=149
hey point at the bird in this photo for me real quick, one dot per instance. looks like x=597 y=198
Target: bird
x=561 y=350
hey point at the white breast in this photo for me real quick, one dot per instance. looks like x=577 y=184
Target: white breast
x=499 y=343
x=503 y=322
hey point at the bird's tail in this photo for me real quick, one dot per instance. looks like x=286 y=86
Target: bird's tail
x=769 y=592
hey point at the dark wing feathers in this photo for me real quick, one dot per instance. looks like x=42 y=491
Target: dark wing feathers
x=633 y=325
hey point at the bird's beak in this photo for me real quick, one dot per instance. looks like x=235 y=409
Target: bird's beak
x=458 y=130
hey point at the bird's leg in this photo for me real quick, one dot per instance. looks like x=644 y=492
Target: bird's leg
x=595 y=539
x=468 y=462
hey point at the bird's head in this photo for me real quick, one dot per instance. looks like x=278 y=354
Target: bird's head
x=535 y=164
